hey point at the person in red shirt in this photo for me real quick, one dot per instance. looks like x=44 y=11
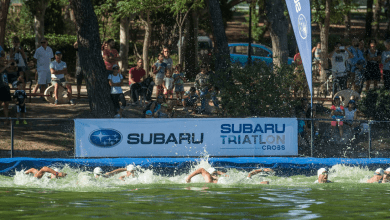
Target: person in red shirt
x=110 y=55
x=136 y=75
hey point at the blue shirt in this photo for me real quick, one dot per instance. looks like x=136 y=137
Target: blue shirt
x=116 y=79
x=386 y=55
x=57 y=66
x=160 y=74
x=179 y=81
x=357 y=56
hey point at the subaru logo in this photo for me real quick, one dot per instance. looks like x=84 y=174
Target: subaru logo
x=105 y=137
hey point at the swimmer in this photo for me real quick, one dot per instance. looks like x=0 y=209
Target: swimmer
x=210 y=175
x=130 y=169
x=254 y=172
x=386 y=176
x=378 y=176
x=39 y=173
x=322 y=174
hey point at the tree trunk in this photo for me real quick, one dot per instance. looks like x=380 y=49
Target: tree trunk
x=91 y=61
x=124 y=44
x=180 y=48
x=347 y=21
x=222 y=55
x=387 y=34
x=195 y=17
x=148 y=32
x=377 y=13
x=369 y=17
x=39 y=22
x=278 y=27
x=324 y=35
x=4 y=5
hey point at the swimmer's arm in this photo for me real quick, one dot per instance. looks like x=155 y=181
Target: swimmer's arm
x=222 y=173
x=254 y=172
x=115 y=172
x=127 y=175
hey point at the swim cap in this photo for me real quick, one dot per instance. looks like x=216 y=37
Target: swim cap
x=379 y=171
x=130 y=167
x=321 y=170
x=211 y=170
x=97 y=171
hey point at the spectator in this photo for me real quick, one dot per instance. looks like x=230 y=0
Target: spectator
x=317 y=52
x=115 y=81
x=110 y=56
x=337 y=115
x=148 y=114
x=362 y=46
x=22 y=79
x=103 y=47
x=156 y=105
x=386 y=65
x=79 y=72
x=58 y=70
x=300 y=76
x=190 y=99
x=373 y=57
x=18 y=55
x=351 y=116
x=5 y=95
x=168 y=84
x=352 y=63
x=12 y=73
x=179 y=80
x=20 y=96
x=135 y=76
x=42 y=57
x=338 y=58
x=167 y=58
x=159 y=69
x=202 y=85
x=305 y=108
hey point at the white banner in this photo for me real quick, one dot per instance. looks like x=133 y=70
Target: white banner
x=186 y=137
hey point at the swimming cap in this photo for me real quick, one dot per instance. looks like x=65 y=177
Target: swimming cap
x=321 y=170
x=97 y=171
x=130 y=167
x=379 y=171
x=211 y=170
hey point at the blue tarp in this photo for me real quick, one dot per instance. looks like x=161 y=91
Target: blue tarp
x=283 y=165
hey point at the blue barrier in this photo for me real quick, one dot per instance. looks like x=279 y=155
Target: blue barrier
x=282 y=165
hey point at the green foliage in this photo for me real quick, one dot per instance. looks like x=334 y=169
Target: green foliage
x=338 y=9
x=375 y=104
x=257 y=90
x=54 y=24
x=108 y=19
x=18 y=24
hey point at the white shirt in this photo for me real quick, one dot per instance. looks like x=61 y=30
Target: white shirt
x=57 y=66
x=168 y=83
x=18 y=56
x=43 y=58
x=116 y=79
x=338 y=63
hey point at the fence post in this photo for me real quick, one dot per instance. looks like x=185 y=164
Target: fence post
x=12 y=138
x=369 y=139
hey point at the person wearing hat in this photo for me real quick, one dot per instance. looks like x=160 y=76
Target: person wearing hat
x=130 y=169
x=58 y=71
x=337 y=115
x=115 y=80
x=55 y=173
x=322 y=174
x=210 y=175
x=42 y=58
x=254 y=172
x=378 y=176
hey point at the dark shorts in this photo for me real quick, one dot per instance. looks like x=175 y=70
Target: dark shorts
x=5 y=95
x=21 y=108
x=79 y=76
x=116 y=98
x=372 y=72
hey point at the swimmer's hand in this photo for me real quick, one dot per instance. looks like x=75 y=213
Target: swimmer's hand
x=60 y=174
x=188 y=180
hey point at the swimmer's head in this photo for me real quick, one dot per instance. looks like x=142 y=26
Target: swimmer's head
x=322 y=171
x=379 y=172
x=97 y=172
x=211 y=170
x=130 y=167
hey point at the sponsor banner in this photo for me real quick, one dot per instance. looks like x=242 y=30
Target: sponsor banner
x=300 y=15
x=186 y=137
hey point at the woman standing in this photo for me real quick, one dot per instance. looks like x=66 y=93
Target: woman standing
x=373 y=57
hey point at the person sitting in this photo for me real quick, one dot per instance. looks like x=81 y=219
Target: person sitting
x=135 y=77
x=129 y=169
x=337 y=115
x=58 y=70
x=55 y=173
x=209 y=176
x=378 y=176
x=351 y=116
x=190 y=99
x=322 y=174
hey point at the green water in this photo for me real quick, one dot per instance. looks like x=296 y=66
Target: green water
x=151 y=196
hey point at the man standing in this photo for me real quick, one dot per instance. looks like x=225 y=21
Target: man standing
x=135 y=76
x=338 y=58
x=42 y=58
x=110 y=55
x=58 y=70
x=352 y=63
